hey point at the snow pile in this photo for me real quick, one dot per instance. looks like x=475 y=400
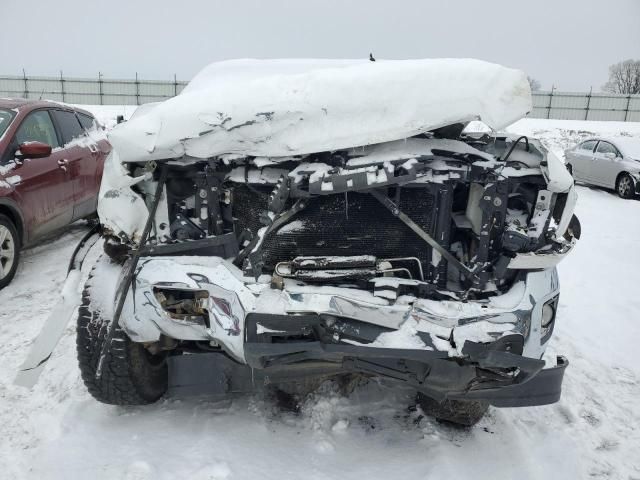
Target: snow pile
x=405 y=337
x=294 y=107
x=559 y=135
x=107 y=115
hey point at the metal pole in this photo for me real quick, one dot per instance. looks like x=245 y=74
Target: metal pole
x=62 y=85
x=130 y=268
x=550 y=100
x=175 y=85
x=137 y=90
x=100 y=87
x=626 y=113
x=586 y=113
x=26 y=88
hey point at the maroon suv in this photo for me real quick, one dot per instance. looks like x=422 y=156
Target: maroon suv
x=51 y=159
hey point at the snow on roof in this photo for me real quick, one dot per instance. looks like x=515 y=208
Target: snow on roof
x=276 y=108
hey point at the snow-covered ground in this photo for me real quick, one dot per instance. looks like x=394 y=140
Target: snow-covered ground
x=58 y=431
x=559 y=135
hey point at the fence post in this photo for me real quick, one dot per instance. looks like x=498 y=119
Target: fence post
x=26 y=87
x=100 y=87
x=175 y=85
x=62 y=85
x=137 y=90
x=550 y=100
x=586 y=112
x=626 y=113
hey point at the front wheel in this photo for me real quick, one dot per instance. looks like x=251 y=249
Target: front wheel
x=9 y=250
x=464 y=413
x=625 y=186
x=131 y=375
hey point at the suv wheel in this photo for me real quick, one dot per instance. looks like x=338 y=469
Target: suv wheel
x=625 y=186
x=131 y=375
x=464 y=413
x=9 y=250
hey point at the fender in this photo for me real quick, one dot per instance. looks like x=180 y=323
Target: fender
x=53 y=328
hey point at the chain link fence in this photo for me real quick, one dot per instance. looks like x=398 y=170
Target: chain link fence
x=90 y=91
x=586 y=106
x=102 y=91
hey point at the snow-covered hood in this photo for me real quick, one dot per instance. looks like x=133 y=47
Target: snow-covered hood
x=279 y=108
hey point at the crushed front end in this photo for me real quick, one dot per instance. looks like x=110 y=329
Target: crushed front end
x=429 y=261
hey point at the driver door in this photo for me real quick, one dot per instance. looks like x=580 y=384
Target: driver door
x=42 y=185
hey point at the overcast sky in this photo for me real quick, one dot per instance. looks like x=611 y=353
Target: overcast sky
x=566 y=43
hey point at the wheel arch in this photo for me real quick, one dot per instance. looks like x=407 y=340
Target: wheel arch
x=634 y=184
x=619 y=176
x=11 y=210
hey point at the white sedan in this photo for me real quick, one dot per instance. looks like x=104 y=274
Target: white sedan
x=612 y=162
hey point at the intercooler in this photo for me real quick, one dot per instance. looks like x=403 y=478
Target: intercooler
x=348 y=224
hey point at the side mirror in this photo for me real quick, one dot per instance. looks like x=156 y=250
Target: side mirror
x=33 y=150
x=610 y=155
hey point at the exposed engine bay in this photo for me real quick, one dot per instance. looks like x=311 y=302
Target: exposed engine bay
x=426 y=217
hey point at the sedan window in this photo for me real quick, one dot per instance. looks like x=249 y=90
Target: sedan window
x=588 y=145
x=69 y=124
x=5 y=120
x=86 y=121
x=606 y=147
x=37 y=127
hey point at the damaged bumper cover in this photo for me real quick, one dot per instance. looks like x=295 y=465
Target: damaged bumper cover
x=487 y=350
x=502 y=378
x=487 y=372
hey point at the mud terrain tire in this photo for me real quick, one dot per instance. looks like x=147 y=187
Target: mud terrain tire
x=130 y=374
x=465 y=413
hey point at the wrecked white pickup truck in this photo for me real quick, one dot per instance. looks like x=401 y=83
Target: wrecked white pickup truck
x=282 y=220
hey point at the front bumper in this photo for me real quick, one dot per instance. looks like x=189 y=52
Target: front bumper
x=487 y=350
x=441 y=326
x=494 y=371
x=487 y=372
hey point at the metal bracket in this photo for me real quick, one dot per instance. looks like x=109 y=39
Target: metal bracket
x=395 y=210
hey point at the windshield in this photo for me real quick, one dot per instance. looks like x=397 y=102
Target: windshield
x=5 y=120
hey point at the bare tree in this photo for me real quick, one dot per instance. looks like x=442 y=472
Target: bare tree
x=534 y=84
x=624 y=77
